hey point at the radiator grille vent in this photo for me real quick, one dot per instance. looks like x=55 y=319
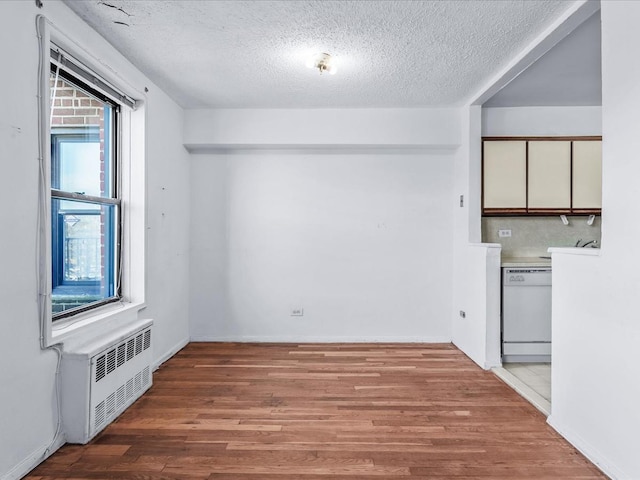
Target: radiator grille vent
x=139 y=344
x=120 y=400
x=130 y=349
x=137 y=381
x=100 y=368
x=129 y=388
x=122 y=354
x=110 y=405
x=109 y=362
x=99 y=414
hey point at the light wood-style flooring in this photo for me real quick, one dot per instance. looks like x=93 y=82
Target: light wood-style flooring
x=315 y=411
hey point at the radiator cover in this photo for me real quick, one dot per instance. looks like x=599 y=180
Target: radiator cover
x=102 y=377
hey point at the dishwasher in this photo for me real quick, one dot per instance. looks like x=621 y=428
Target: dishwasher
x=526 y=314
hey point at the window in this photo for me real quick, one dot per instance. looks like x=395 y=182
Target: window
x=91 y=230
x=85 y=202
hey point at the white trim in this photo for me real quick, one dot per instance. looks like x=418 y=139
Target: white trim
x=43 y=29
x=488 y=246
x=63 y=329
x=490 y=365
x=324 y=149
x=170 y=353
x=32 y=460
x=593 y=454
x=586 y=252
x=132 y=184
x=317 y=339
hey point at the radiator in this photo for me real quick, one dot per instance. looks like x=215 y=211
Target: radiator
x=102 y=377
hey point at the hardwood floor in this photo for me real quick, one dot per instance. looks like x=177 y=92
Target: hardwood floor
x=351 y=411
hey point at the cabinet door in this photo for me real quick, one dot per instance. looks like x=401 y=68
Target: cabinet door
x=549 y=175
x=587 y=174
x=505 y=174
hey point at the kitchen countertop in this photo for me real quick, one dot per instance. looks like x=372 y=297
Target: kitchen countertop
x=525 y=262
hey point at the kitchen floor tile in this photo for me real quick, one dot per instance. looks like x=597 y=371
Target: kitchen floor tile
x=536 y=376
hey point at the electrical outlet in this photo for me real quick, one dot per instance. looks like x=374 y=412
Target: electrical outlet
x=504 y=233
x=297 y=312
x=463 y=314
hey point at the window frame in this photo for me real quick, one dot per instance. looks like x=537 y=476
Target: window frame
x=112 y=69
x=112 y=262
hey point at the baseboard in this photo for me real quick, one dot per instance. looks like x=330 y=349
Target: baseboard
x=33 y=460
x=170 y=353
x=593 y=454
x=489 y=364
x=317 y=339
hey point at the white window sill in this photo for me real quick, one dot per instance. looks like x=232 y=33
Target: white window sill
x=97 y=322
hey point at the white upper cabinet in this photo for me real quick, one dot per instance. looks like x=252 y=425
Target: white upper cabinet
x=541 y=176
x=549 y=175
x=505 y=174
x=587 y=174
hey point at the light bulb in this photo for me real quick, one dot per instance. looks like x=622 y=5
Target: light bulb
x=323 y=62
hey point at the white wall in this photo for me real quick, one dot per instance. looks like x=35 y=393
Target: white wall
x=541 y=121
x=360 y=237
x=596 y=330
x=477 y=294
x=168 y=219
x=381 y=128
x=476 y=267
x=27 y=401
x=27 y=422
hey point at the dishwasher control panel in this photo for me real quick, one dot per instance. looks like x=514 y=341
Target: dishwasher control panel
x=526 y=276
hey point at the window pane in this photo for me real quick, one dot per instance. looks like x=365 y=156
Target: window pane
x=83 y=253
x=81 y=140
x=79 y=165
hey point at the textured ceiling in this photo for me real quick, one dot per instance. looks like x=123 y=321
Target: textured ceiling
x=252 y=54
x=570 y=74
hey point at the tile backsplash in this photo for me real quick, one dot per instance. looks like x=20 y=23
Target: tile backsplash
x=531 y=236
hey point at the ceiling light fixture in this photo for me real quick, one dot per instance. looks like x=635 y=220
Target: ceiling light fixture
x=323 y=62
